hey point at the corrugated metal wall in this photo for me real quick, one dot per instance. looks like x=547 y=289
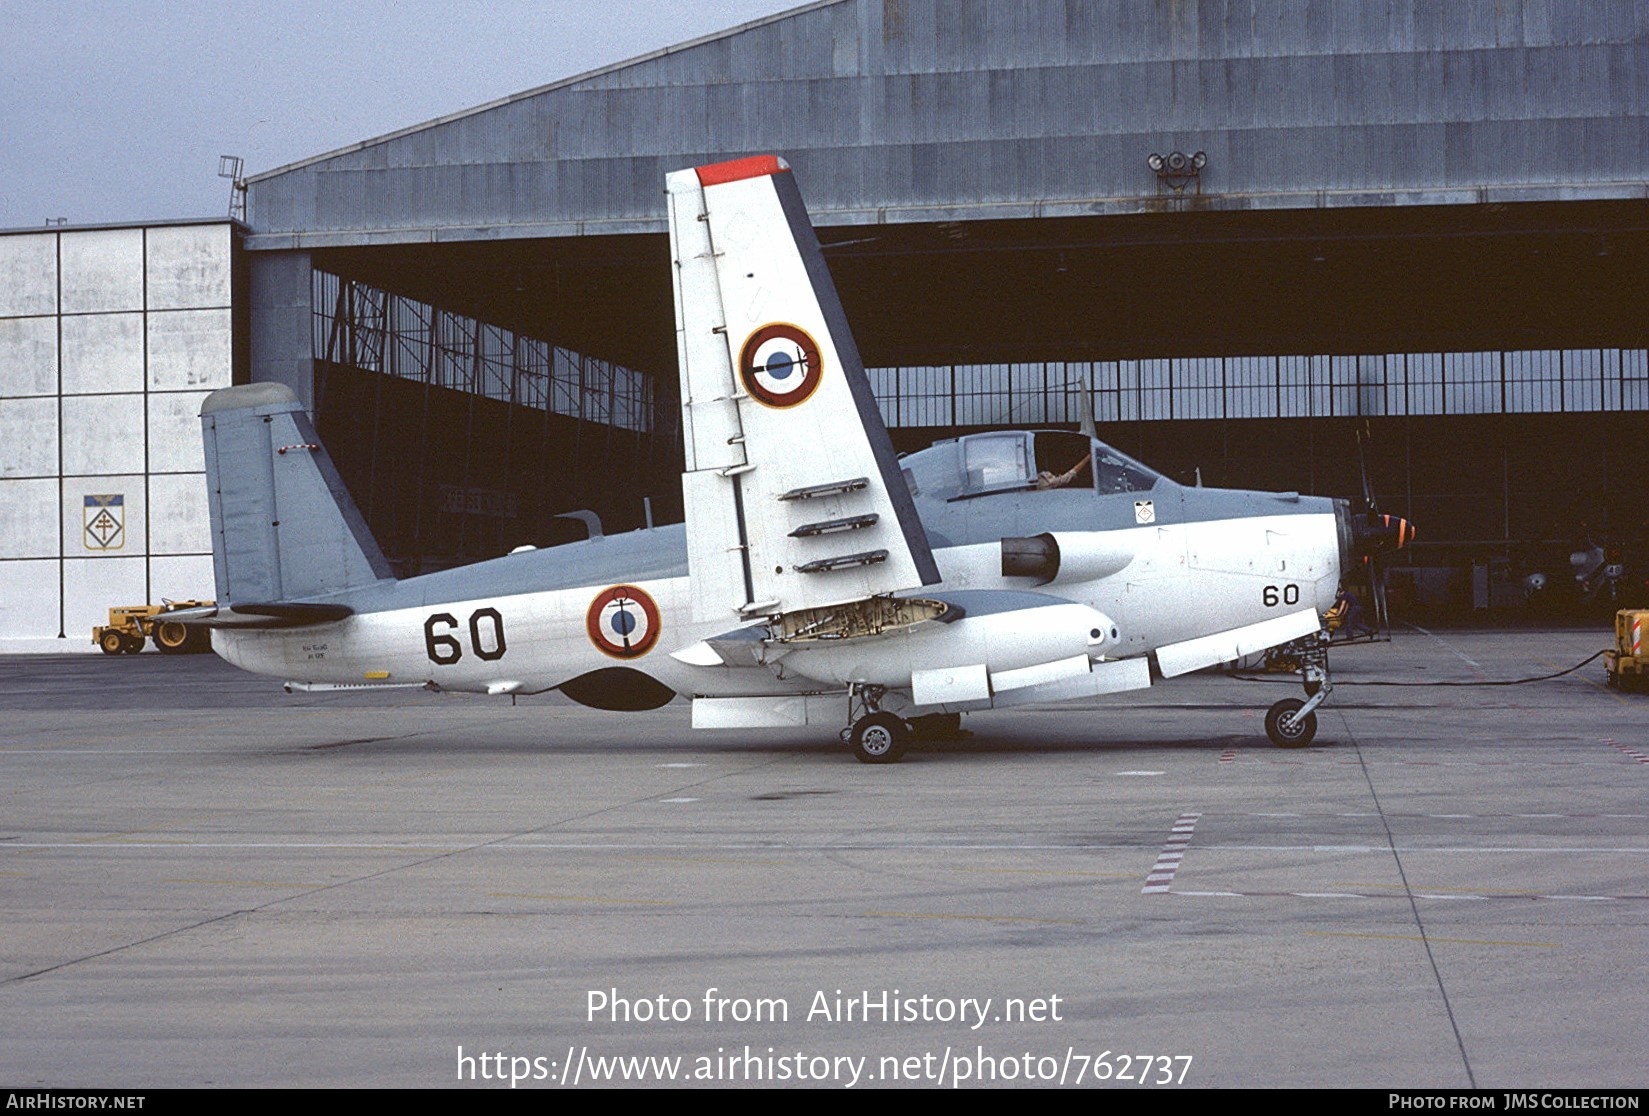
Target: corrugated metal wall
x=912 y=110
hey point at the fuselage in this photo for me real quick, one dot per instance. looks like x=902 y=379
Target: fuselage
x=1165 y=562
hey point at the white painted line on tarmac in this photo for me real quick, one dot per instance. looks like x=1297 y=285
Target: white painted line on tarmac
x=1398 y=894
x=506 y=844
x=1461 y=655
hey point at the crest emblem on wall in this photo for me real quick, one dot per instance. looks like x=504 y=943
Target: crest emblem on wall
x=105 y=520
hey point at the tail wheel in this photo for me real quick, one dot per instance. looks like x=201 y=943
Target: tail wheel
x=879 y=738
x=112 y=642
x=172 y=638
x=1286 y=728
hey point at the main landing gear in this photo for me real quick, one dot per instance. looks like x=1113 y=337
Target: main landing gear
x=878 y=736
x=875 y=735
x=1292 y=723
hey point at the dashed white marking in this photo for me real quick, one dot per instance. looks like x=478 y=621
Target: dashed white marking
x=1633 y=752
x=1142 y=772
x=678 y=800
x=681 y=765
x=1173 y=852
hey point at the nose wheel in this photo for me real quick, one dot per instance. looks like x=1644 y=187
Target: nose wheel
x=1292 y=723
x=1287 y=726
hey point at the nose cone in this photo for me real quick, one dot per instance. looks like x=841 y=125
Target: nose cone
x=1376 y=534
x=1363 y=534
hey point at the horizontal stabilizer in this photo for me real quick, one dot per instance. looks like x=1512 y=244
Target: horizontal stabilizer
x=277 y=615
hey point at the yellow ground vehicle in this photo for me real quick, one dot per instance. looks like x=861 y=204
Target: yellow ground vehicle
x=130 y=627
x=1627 y=663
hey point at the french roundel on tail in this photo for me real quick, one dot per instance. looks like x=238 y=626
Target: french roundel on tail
x=794 y=496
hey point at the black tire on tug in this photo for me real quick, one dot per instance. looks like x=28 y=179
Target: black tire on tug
x=172 y=638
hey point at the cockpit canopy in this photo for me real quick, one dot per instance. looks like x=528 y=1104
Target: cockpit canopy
x=1020 y=460
x=1024 y=461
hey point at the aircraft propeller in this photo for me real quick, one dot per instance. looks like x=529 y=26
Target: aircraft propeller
x=1376 y=534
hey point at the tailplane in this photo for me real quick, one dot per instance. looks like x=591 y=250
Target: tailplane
x=284 y=528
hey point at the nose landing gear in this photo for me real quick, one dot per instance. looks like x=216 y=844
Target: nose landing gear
x=1292 y=723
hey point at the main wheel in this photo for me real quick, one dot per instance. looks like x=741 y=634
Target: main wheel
x=937 y=726
x=171 y=637
x=112 y=642
x=879 y=738
x=1285 y=728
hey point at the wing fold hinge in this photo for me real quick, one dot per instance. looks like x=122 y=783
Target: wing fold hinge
x=843 y=562
x=834 y=488
x=833 y=526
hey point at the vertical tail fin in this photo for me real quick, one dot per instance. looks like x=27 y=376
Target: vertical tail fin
x=794 y=497
x=283 y=526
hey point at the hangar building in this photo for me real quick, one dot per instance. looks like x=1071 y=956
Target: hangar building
x=1237 y=230
x=110 y=338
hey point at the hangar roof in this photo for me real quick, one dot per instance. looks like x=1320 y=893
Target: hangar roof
x=924 y=111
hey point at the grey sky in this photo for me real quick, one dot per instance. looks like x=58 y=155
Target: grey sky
x=115 y=112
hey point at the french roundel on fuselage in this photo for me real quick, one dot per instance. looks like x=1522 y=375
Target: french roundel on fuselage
x=623 y=621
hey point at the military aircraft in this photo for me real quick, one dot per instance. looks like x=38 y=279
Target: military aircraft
x=818 y=578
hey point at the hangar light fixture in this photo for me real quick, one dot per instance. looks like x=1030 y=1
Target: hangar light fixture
x=1177 y=169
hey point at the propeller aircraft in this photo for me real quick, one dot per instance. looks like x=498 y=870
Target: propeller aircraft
x=818 y=578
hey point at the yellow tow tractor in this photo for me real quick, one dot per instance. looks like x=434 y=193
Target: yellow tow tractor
x=1626 y=663
x=131 y=626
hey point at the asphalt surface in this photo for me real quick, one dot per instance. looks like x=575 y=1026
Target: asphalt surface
x=205 y=881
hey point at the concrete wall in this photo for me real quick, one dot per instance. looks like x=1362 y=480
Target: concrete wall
x=109 y=340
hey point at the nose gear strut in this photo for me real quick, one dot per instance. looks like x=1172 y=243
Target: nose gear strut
x=1292 y=723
